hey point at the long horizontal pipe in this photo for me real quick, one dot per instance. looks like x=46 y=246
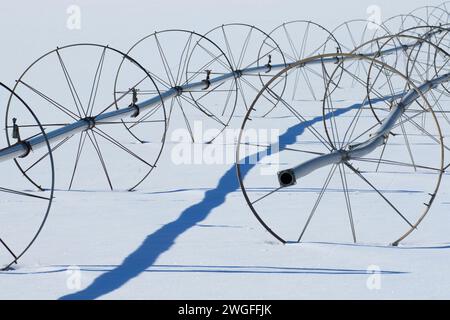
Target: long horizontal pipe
x=23 y=148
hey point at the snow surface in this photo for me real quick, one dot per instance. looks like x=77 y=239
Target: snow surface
x=187 y=232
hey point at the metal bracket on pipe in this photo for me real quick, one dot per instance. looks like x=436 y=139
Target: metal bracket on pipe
x=28 y=148
x=269 y=64
x=134 y=104
x=338 y=50
x=91 y=122
x=16 y=131
x=207 y=81
x=137 y=111
x=179 y=90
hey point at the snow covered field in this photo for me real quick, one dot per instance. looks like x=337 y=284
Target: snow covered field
x=187 y=233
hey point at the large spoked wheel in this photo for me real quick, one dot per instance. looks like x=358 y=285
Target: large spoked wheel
x=445 y=6
x=433 y=15
x=421 y=62
x=209 y=106
x=301 y=39
x=77 y=83
x=378 y=198
x=247 y=47
x=353 y=33
x=418 y=62
x=401 y=22
x=24 y=210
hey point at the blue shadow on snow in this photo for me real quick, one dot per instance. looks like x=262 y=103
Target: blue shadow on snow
x=163 y=239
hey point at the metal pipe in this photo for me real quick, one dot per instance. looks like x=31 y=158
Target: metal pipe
x=22 y=149
x=290 y=177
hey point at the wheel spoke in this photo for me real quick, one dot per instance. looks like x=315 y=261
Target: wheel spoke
x=244 y=49
x=47 y=154
x=186 y=120
x=309 y=128
x=285 y=149
x=382 y=153
x=73 y=91
x=319 y=199
x=214 y=59
x=329 y=102
x=110 y=139
x=380 y=161
x=129 y=122
x=228 y=46
x=308 y=82
x=96 y=83
x=199 y=106
x=77 y=159
x=165 y=63
x=408 y=146
x=51 y=101
x=9 y=250
x=213 y=89
x=184 y=59
x=347 y=199
x=146 y=116
x=44 y=125
x=295 y=53
x=21 y=193
x=100 y=157
x=205 y=67
x=241 y=90
x=121 y=97
x=267 y=195
x=228 y=99
x=262 y=57
x=379 y=193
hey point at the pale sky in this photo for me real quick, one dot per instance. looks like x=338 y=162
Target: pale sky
x=30 y=28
